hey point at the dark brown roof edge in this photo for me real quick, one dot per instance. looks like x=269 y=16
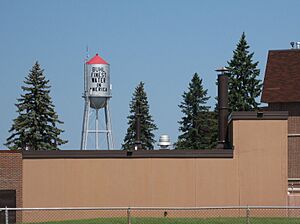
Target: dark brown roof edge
x=291 y=49
x=278 y=101
x=9 y=151
x=258 y=115
x=79 y=154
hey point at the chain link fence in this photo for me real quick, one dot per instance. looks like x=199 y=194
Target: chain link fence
x=205 y=215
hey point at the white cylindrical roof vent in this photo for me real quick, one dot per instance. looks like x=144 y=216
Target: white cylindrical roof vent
x=164 y=141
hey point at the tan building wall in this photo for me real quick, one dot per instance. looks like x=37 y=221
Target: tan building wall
x=129 y=182
x=256 y=175
x=261 y=155
x=293 y=135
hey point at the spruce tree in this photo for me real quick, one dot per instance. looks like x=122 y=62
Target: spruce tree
x=244 y=85
x=139 y=104
x=35 y=127
x=197 y=123
x=213 y=128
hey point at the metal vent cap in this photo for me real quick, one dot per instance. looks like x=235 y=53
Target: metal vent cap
x=164 y=141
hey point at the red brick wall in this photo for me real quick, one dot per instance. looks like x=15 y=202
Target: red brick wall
x=11 y=170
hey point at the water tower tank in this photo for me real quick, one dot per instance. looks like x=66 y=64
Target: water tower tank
x=98 y=82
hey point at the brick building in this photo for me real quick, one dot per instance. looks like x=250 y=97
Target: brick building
x=11 y=173
x=281 y=90
x=254 y=171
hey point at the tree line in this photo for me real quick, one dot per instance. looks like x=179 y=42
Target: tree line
x=198 y=125
x=36 y=126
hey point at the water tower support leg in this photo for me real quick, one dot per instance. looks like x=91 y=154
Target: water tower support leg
x=85 y=125
x=97 y=129
x=108 y=126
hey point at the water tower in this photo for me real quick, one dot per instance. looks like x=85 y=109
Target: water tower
x=97 y=93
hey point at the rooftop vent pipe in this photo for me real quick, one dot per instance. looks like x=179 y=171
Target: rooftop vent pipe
x=164 y=142
x=138 y=142
x=222 y=107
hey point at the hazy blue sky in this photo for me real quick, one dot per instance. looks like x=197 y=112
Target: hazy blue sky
x=162 y=43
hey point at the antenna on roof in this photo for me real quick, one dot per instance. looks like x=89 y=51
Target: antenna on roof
x=87 y=53
x=292 y=44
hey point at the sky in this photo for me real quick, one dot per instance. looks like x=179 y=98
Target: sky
x=160 y=42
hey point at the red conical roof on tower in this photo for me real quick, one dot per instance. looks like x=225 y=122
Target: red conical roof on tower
x=97 y=60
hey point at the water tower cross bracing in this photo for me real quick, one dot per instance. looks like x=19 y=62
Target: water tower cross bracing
x=97 y=93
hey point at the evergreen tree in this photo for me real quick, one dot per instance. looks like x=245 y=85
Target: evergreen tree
x=139 y=104
x=197 y=123
x=35 y=127
x=213 y=130
x=244 y=85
